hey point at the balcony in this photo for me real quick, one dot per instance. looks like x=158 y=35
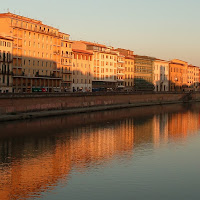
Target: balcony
x=6 y=72
x=56 y=53
x=66 y=56
x=66 y=72
x=67 y=64
x=120 y=74
x=17 y=67
x=17 y=56
x=120 y=80
x=19 y=74
x=119 y=67
x=120 y=61
x=120 y=86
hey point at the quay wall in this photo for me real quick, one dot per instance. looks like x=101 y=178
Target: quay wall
x=23 y=103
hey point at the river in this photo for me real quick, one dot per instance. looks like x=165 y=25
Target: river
x=138 y=153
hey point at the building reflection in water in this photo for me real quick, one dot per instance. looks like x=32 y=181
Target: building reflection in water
x=38 y=155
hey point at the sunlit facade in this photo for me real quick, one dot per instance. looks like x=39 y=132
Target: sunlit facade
x=66 y=62
x=104 y=65
x=178 y=75
x=37 y=54
x=161 y=75
x=128 y=68
x=120 y=71
x=82 y=70
x=193 y=78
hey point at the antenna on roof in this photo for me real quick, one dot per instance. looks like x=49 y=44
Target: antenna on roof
x=8 y=10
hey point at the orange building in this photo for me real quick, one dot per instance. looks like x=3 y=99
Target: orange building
x=37 y=54
x=178 y=75
x=104 y=65
x=128 y=68
x=5 y=64
x=82 y=70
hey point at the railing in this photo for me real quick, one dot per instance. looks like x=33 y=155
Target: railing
x=66 y=56
x=66 y=72
x=18 y=74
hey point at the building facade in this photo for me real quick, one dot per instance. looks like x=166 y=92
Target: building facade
x=143 y=73
x=120 y=71
x=5 y=65
x=128 y=68
x=104 y=65
x=82 y=70
x=66 y=62
x=193 y=78
x=178 y=75
x=38 y=50
x=161 y=75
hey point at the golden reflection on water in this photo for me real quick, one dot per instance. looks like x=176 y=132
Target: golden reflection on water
x=37 y=155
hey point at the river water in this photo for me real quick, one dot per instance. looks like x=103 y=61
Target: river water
x=139 y=153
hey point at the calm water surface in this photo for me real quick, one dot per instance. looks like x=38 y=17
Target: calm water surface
x=141 y=153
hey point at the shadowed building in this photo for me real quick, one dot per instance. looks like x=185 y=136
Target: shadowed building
x=143 y=73
x=5 y=65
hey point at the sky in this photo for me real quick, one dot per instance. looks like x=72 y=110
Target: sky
x=165 y=29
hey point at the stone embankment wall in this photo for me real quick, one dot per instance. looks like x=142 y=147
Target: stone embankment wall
x=22 y=103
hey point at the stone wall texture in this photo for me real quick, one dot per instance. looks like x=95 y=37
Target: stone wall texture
x=21 y=103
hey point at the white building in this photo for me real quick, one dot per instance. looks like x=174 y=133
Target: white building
x=161 y=75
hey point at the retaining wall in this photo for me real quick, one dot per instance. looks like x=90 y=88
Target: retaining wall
x=22 y=103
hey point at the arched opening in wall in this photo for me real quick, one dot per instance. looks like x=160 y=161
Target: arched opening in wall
x=164 y=88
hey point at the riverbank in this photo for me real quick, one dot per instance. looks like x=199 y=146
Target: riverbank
x=71 y=111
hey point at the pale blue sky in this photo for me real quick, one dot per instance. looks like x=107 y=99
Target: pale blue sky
x=165 y=29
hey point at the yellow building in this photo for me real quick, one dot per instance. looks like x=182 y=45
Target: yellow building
x=82 y=70
x=36 y=54
x=128 y=68
x=66 y=62
x=104 y=65
x=5 y=65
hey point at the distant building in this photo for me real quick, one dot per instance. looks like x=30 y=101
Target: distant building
x=178 y=75
x=120 y=71
x=161 y=75
x=104 y=65
x=128 y=68
x=66 y=62
x=5 y=65
x=82 y=70
x=143 y=73
x=193 y=77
